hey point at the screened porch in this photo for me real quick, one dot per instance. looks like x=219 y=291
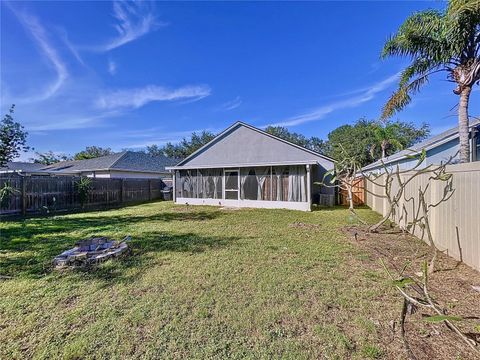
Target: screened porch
x=266 y=186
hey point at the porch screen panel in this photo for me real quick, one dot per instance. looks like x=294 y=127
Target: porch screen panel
x=289 y=183
x=280 y=183
x=210 y=183
x=254 y=183
x=188 y=184
x=178 y=184
x=297 y=185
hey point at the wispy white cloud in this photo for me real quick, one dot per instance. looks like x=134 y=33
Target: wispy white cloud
x=363 y=95
x=42 y=40
x=134 y=20
x=64 y=37
x=70 y=121
x=137 y=97
x=112 y=67
x=230 y=105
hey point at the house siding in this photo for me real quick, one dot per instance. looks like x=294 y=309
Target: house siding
x=116 y=174
x=243 y=146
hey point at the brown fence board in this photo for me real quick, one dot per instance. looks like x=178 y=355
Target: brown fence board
x=358 y=193
x=40 y=194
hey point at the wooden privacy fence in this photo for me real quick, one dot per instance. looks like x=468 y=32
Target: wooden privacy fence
x=41 y=194
x=455 y=224
x=358 y=193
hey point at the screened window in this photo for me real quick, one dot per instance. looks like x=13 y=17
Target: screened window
x=204 y=183
x=254 y=183
x=277 y=183
x=210 y=183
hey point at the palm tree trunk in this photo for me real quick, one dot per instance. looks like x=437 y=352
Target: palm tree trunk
x=463 y=124
x=383 y=152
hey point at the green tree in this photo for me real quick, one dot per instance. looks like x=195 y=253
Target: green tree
x=386 y=136
x=92 y=152
x=49 y=158
x=185 y=147
x=363 y=139
x=354 y=141
x=313 y=143
x=318 y=145
x=439 y=41
x=285 y=134
x=154 y=150
x=13 y=138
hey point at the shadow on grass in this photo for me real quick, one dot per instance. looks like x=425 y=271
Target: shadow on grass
x=27 y=247
x=143 y=255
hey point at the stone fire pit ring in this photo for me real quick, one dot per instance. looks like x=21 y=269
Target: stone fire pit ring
x=92 y=251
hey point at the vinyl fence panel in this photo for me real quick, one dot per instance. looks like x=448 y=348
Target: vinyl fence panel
x=455 y=223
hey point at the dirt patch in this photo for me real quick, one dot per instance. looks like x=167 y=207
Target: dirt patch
x=301 y=225
x=452 y=286
x=229 y=208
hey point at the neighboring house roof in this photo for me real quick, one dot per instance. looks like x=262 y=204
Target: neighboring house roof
x=21 y=166
x=124 y=161
x=244 y=145
x=428 y=144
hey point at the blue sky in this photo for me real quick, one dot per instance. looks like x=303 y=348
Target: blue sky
x=125 y=75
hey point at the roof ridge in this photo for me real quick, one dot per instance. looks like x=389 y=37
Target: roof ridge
x=123 y=153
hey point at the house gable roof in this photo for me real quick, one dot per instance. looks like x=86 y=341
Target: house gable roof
x=244 y=145
x=428 y=144
x=21 y=166
x=125 y=161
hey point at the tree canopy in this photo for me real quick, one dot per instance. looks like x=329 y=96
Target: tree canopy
x=366 y=140
x=13 y=138
x=91 y=152
x=184 y=148
x=313 y=143
x=49 y=158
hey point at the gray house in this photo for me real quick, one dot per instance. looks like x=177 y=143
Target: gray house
x=126 y=164
x=20 y=167
x=247 y=167
x=438 y=149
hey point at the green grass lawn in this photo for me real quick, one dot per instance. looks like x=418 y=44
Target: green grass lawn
x=202 y=283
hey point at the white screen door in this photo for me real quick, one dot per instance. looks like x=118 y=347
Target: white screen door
x=231 y=185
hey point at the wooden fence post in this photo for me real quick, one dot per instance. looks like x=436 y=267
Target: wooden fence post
x=24 y=196
x=149 y=189
x=122 y=189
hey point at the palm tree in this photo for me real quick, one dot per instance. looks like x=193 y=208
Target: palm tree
x=387 y=137
x=446 y=41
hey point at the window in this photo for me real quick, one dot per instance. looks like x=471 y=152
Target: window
x=476 y=144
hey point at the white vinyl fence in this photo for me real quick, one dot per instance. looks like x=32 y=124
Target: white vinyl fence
x=455 y=224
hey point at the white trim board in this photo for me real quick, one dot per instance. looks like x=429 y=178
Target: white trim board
x=261 y=204
x=246 y=165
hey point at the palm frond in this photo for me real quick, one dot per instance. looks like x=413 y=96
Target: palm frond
x=402 y=97
x=457 y=7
